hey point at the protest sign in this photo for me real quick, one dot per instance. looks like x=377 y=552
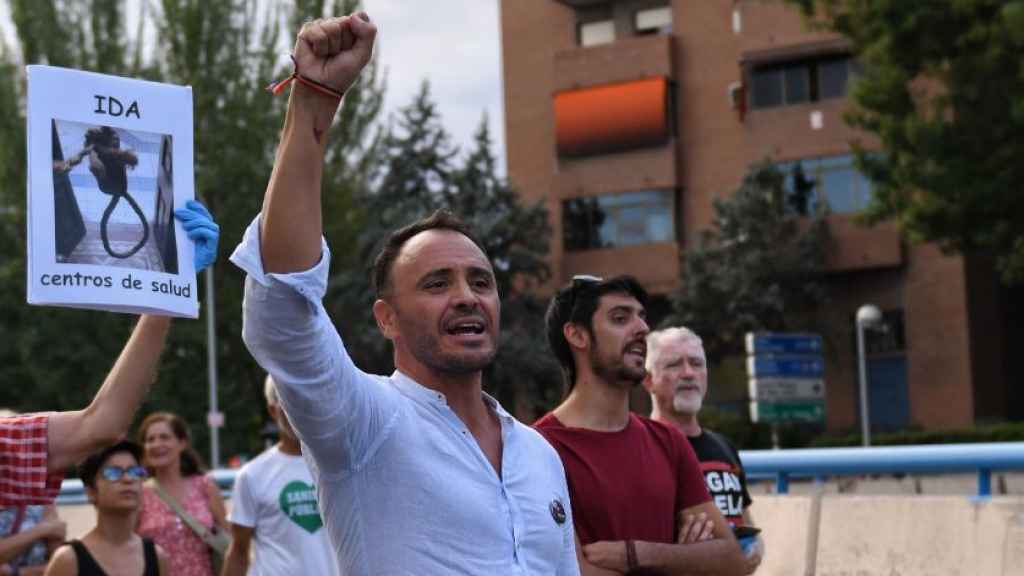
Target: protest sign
x=109 y=159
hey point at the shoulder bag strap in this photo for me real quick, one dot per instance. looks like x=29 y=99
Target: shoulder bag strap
x=187 y=518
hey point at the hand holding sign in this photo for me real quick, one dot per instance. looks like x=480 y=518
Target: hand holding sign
x=334 y=51
x=202 y=230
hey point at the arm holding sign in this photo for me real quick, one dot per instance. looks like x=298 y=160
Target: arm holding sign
x=75 y=434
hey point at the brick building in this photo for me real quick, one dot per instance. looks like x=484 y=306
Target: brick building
x=628 y=117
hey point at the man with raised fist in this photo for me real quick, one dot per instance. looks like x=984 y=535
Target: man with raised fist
x=419 y=472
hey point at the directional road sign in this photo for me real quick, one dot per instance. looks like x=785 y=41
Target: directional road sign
x=810 y=411
x=784 y=343
x=786 y=389
x=785 y=367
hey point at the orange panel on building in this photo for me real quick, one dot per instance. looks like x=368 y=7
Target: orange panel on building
x=611 y=118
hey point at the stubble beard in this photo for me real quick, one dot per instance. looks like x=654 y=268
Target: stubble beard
x=616 y=372
x=427 y=350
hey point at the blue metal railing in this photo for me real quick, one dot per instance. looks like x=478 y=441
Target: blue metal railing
x=819 y=463
x=73 y=492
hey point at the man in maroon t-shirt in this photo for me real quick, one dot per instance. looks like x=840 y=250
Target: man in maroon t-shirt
x=630 y=479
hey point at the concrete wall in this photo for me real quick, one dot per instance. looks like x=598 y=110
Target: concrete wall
x=859 y=535
x=891 y=535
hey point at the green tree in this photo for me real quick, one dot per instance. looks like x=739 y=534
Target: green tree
x=422 y=172
x=760 y=266
x=943 y=90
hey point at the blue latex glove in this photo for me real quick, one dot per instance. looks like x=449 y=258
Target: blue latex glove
x=202 y=230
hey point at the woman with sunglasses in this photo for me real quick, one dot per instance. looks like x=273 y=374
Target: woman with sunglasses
x=113 y=483
x=178 y=483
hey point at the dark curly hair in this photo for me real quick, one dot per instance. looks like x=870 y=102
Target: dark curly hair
x=90 y=467
x=576 y=303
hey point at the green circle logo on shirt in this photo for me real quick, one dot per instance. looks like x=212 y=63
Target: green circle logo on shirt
x=298 y=503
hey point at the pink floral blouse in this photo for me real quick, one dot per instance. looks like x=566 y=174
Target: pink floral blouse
x=187 y=554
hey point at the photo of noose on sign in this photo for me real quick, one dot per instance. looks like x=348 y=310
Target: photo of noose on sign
x=116 y=183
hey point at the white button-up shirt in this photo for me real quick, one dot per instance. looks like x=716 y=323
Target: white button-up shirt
x=404 y=488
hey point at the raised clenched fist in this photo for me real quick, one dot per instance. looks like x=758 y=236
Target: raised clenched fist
x=333 y=51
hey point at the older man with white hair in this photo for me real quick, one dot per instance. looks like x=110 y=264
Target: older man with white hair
x=677 y=379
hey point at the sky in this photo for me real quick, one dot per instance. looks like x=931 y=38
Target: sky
x=454 y=44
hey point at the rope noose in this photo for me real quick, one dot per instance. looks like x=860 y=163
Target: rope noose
x=105 y=221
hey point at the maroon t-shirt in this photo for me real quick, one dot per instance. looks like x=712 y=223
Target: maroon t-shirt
x=630 y=484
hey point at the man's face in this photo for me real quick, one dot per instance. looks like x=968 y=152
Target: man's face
x=679 y=378
x=618 y=347
x=445 y=302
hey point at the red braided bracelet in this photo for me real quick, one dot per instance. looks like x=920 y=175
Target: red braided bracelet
x=279 y=86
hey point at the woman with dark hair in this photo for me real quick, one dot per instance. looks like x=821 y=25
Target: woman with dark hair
x=179 y=501
x=113 y=482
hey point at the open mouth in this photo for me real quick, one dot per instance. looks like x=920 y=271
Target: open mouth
x=637 y=348
x=465 y=327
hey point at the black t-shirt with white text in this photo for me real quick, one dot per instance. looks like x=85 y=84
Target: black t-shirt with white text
x=723 y=474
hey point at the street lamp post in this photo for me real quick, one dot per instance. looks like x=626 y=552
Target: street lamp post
x=868 y=315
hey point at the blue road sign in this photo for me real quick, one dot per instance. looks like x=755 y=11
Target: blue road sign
x=776 y=343
x=785 y=366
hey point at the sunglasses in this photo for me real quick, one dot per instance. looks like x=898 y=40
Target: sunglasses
x=115 y=473
x=580 y=282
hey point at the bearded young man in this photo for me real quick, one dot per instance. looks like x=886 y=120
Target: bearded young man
x=418 y=472
x=677 y=378
x=630 y=479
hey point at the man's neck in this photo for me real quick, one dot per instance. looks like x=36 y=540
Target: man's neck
x=595 y=404
x=462 y=392
x=289 y=446
x=686 y=423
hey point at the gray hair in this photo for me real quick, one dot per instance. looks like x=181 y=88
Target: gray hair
x=270 y=391
x=656 y=339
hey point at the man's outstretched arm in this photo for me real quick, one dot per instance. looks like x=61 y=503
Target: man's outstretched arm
x=331 y=52
x=74 y=435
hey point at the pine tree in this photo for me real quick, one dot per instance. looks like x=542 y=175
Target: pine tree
x=758 y=267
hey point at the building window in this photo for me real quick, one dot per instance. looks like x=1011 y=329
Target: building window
x=615 y=220
x=597 y=32
x=835 y=178
x=798 y=81
x=653 y=21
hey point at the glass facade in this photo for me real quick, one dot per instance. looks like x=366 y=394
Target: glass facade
x=832 y=178
x=614 y=220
